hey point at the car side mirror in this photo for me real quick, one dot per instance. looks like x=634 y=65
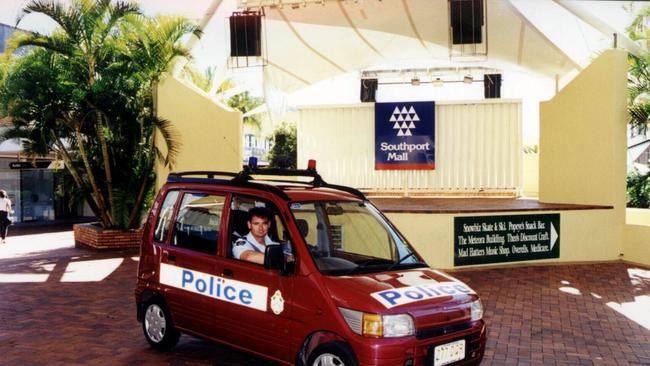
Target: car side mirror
x=273 y=257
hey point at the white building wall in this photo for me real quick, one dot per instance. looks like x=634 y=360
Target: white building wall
x=478 y=148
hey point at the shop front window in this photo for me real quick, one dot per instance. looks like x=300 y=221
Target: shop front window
x=37 y=196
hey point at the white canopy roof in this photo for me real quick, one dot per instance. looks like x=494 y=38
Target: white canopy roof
x=307 y=41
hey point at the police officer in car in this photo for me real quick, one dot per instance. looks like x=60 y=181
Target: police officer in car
x=251 y=247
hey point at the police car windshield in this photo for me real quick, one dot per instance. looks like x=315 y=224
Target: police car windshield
x=348 y=237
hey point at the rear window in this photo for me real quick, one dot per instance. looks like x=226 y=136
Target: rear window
x=163 y=223
x=198 y=222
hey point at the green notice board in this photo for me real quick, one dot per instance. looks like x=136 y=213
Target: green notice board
x=500 y=239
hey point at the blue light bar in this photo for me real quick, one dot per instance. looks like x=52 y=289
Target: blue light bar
x=252 y=162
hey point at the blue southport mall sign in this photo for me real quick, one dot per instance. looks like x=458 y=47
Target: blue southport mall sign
x=405 y=136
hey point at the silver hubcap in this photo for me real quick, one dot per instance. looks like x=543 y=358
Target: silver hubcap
x=155 y=323
x=328 y=359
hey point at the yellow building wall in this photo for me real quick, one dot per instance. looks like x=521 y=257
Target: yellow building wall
x=583 y=137
x=584 y=236
x=531 y=175
x=636 y=247
x=637 y=216
x=583 y=153
x=637 y=244
x=210 y=133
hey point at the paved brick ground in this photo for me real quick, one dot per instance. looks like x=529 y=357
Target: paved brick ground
x=65 y=306
x=565 y=314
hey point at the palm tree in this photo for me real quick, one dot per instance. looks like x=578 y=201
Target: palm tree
x=639 y=103
x=639 y=74
x=104 y=62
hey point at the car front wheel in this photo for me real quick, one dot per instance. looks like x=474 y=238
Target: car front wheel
x=332 y=354
x=158 y=328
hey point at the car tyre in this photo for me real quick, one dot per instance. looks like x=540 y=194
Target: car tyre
x=158 y=327
x=332 y=354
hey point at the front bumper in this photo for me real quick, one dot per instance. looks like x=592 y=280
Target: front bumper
x=416 y=351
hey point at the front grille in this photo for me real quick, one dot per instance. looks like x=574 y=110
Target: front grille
x=435 y=332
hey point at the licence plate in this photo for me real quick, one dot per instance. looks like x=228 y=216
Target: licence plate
x=448 y=353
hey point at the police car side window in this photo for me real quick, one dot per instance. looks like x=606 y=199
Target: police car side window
x=165 y=217
x=239 y=217
x=198 y=222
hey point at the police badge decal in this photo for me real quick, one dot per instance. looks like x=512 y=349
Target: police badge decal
x=277 y=303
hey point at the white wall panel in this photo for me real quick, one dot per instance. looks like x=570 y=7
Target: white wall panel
x=478 y=147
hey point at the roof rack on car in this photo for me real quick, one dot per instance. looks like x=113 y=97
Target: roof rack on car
x=244 y=178
x=176 y=177
x=209 y=174
x=252 y=169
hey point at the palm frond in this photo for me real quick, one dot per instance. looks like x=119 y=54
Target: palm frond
x=68 y=18
x=639 y=116
x=116 y=13
x=123 y=204
x=56 y=42
x=225 y=85
x=172 y=140
x=636 y=29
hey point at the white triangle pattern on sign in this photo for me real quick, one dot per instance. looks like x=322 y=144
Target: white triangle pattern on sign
x=554 y=235
x=404 y=115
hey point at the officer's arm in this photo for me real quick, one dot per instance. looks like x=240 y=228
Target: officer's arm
x=252 y=256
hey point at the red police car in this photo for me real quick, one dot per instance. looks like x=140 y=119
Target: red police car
x=337 y=283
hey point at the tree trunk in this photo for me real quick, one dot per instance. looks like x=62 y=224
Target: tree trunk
x=143 y=184
x=104 y=215
x=107 y=162
x=75 y=176
x=140 y=199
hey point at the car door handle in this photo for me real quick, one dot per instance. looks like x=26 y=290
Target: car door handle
x=171 y=258
x=228 y=272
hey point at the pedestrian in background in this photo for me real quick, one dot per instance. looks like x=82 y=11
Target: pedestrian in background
x=5 y=210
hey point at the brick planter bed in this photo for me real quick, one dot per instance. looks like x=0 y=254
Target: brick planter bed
x=93 y=236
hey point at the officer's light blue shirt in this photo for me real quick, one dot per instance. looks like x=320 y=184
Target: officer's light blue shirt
x=248 y=242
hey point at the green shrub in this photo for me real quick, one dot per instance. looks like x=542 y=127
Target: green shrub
x=285 y=147
x=638 y=190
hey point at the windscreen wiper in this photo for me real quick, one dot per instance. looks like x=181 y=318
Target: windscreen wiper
x=361 y=266
x=402 y=260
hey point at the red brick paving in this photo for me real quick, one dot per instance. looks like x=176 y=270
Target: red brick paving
x=531 y=322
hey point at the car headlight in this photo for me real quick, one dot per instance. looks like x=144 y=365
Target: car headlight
x=477 y=310
x=374 y=325
x=399 y=325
